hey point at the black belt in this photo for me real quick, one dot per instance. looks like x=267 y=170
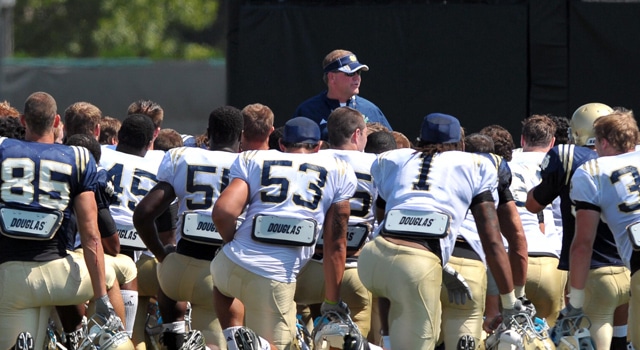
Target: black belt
x=433 y=244
x=462 y=249
x=542 y=255
x=634 y=263
x=195 y=250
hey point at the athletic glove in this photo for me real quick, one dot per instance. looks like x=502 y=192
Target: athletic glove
x=570 y=311
x=507 y=314
x=104 y=307
x=456 y=285
x=336 y=306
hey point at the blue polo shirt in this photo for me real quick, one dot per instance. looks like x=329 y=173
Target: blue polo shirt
x=318 y=108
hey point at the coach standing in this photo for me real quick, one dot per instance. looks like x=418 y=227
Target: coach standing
x=341 y=73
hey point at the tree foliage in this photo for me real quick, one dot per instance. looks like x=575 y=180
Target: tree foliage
x=176 y=29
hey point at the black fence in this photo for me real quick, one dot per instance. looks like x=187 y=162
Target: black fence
x=486 y=62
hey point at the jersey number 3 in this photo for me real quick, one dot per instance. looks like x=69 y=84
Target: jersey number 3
x=315 y=185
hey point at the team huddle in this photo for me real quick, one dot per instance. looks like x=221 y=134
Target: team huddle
x=327 y=233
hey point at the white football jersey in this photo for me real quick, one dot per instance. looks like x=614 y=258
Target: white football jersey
x=613 y=185
x=197 y=176
x=525 y=170
x=286 y=185
x=446 y=183
x=132 y=177
x=363 y=201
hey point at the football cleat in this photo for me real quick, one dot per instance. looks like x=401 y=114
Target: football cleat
x=337 y=330
x=193 y=341
x=24 y=341
x=466 y=342
x=571 y=326
x=73 y=339
x=246 y=339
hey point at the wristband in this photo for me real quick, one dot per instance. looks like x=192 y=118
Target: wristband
x=327 y=301
x=576 y=297
x=519 y=291
x=508 y=300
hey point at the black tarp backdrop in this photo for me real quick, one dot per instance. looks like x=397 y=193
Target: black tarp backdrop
x=604 y=54
x=187 y=91
x=486 y=62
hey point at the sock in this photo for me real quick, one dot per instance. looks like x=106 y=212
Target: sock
x=620 y=331
x=173 y=334
x=174 y=327
x=172 y=341
x=618 y=343
x=130 y=298
x=228 y=336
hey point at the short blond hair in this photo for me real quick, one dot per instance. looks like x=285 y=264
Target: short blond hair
x=258 y=122
x=620 y=129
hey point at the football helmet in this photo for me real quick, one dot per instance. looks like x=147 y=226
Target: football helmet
x=581 y=124
x=580 y=340
x=106 y=334
x=572 y=333
x=335 y=330
x=520 y=332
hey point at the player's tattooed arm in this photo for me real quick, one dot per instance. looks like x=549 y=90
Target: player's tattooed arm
x=335 y=247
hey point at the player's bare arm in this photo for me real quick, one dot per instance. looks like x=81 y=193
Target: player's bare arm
x=489 y=231
x=582 y=246
x=511 y=228
x=149 y=208
x=335 y=247
x=532 y=204
x=86 y=213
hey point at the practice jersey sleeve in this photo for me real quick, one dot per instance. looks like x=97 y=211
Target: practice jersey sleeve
x=504 y=177
x=346 y=183
x=487 y=181
x=87 y=169
x=554 y=177
x=240 y=169
x=167 y=168
x=584 y=190
x=105 y=195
